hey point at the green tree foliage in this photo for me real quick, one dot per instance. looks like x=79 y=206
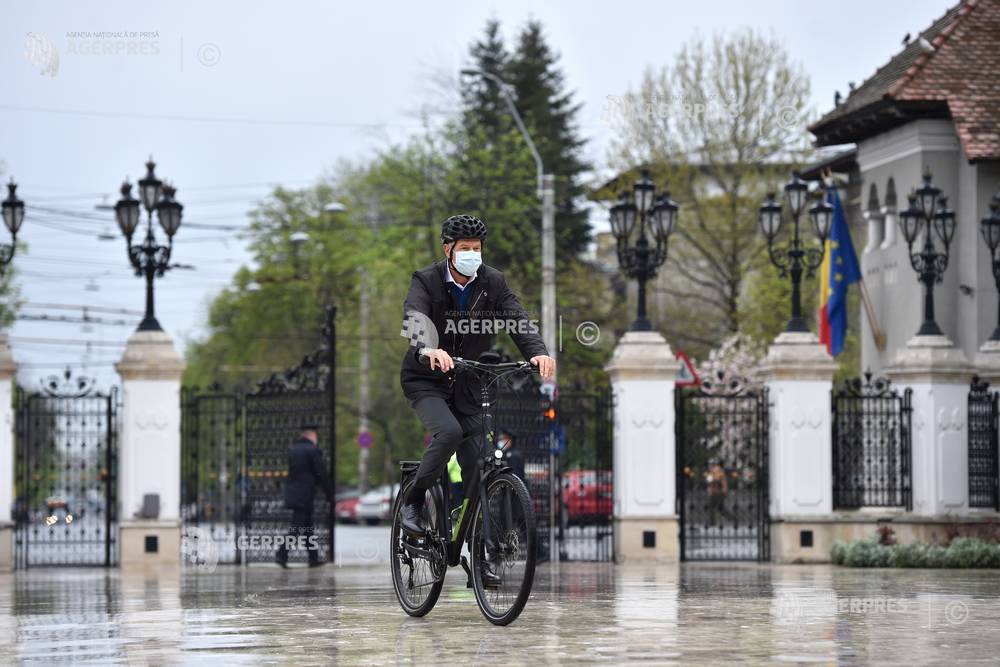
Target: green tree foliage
x=395 y=203
x=721 y=126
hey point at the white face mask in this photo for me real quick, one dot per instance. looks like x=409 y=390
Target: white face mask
x=467 y=262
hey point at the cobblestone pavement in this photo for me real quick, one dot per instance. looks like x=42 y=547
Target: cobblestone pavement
x=690 y=614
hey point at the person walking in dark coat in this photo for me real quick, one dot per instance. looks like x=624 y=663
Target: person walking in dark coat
x=306 y=470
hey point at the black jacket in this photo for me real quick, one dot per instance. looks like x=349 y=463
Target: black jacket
x=491 y=299
x=306 y=469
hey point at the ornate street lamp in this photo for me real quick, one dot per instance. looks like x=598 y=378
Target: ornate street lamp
x=13 y=216
x=656 y=214
x=148 y=258
x=928 y=210
x=990 y=228
x=794 y=258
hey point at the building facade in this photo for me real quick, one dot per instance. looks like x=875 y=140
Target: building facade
x=935 y=106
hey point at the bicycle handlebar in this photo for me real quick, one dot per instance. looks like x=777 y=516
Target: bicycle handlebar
x=484 y=367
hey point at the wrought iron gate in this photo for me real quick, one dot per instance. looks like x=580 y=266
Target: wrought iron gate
x=566 y=451
x=212 y=472
x=585 y=477
x=871 y=445
x=722 y=471
x=65 y=474
x=235 y=460
x=274 y=416
x=983 y=461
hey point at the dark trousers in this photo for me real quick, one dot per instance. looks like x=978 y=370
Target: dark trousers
x=301 y=525
x=446 y=428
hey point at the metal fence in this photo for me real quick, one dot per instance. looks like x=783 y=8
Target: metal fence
x=871 y=445
x=983 y=460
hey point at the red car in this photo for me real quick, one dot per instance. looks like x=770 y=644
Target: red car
x=346 y=508
x=587 y=495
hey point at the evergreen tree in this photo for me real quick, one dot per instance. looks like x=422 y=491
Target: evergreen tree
x=549 y=113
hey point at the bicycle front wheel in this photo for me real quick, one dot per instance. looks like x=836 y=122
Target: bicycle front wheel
x=509 y=549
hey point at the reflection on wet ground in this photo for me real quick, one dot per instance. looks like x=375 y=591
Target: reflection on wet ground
x=693 y=613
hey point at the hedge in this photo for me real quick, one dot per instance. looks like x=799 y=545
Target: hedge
x=963 y=552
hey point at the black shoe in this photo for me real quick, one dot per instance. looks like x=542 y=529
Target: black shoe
x=489 y=575
x=283 y=562
x=317 y=563
x=411 y=517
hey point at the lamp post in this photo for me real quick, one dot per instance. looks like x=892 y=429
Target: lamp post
x=149 y=258
x=13 y=216
x=928 y=209
x=990 y=228
x=795 y=258
x=656 y=214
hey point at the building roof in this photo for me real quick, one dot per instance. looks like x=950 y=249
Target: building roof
x=950 y=70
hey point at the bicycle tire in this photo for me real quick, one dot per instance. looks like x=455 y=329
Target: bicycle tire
x=525 y=517
x=406 y=601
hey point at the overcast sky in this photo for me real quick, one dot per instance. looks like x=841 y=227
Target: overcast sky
x=231 y=97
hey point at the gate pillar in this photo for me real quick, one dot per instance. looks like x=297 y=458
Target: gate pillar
x=939 y=375
x=643 y=372
x=7 y=371
x=798 y=372
x=987 y=362
x=150 y=450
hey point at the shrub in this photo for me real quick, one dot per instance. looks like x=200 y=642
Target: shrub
x=838 y=552
x=972 y=552
x=868 y=553
x=962 y=552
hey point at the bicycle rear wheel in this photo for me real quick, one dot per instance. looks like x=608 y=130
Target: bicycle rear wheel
x=511 y=551
x=417 y=579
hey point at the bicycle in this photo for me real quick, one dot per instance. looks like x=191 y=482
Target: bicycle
x=505 y=533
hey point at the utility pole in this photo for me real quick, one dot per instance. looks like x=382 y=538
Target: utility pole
x=549 y=264
x=363 y=385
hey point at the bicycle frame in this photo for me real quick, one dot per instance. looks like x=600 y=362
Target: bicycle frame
x=474 y=496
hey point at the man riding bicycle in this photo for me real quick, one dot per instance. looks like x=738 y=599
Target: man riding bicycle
x=463 y=302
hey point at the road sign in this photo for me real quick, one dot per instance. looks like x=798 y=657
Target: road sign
x=687 y=376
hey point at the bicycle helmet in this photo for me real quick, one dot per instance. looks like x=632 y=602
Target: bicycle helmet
x=462 y=227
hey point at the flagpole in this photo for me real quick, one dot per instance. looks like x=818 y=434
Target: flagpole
x=877 y=332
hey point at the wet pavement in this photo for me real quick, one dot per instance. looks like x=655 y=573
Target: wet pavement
x=688 y=614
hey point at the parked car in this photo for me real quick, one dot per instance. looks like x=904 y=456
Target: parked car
x=346 y=508
x=587 y=495
x=375 y=506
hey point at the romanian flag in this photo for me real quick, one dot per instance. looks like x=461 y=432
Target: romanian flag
x=839 y=269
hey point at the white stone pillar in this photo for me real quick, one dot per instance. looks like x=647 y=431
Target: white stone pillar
x=149 y=449
x=988 y=363
x=798 y=373
x=8 y=369
x=643 y=371
x=939 y=375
